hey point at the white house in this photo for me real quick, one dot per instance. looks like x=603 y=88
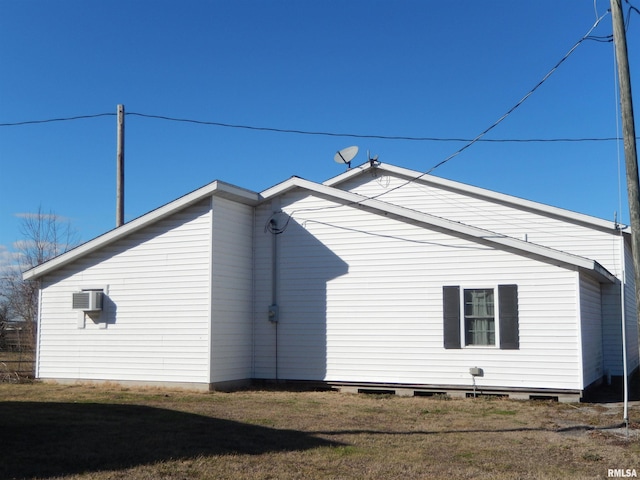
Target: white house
x=379 y=278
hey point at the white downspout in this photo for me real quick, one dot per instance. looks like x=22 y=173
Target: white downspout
x=36 y=367
x=275 y=274
x=273 y=312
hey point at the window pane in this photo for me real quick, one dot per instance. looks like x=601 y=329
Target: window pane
x=479 y=317
x=478 y=303
x=480 y=331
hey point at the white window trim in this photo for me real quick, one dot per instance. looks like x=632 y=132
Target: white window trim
x=496 y=316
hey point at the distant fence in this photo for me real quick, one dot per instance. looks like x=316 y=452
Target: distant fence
x=17 y=355
x=16 y=370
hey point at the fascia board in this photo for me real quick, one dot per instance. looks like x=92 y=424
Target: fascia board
x=352 y=172
x=281 y=188
x=479 y=192
x=553 y=256
x=235 y=193
x=215 y=188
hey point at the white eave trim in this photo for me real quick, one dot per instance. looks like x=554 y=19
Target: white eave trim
x=216 y=188
x=248 y=197
x=478 y=192
x=550 y=255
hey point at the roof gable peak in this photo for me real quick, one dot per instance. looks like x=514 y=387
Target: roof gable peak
x=488 y=195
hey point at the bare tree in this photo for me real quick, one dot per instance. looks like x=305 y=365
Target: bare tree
x=44 y=236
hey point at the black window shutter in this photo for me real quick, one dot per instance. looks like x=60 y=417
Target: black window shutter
x=508 y=308
x=451 y=303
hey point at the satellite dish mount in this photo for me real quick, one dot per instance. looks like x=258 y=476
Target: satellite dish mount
x=373 y=161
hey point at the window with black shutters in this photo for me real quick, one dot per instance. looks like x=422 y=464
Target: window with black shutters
x=470 y=317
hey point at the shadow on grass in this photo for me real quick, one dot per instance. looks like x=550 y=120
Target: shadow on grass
x=56 y=439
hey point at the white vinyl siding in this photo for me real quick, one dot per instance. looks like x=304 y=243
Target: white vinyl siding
x=631 y=316
x=157 y=307
x=591 y=331
x=510 y=220
x=361 y=300
x=231 y=277
x=264 y=331
x=612 y=329
x=304 y=266
x=359 y=293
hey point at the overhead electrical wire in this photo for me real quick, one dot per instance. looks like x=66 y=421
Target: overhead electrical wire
x=464 y=147
x=370 y=136
x=318 y=133
x=395 y=237
x=51 y=120
x=520 y=102
x=629 y=10
x=605 y=39
x=468 y=142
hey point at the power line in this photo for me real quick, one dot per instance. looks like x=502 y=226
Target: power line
x=629 y=10
x=520 y=102
x=51 y=120
x=372 y=136
x=470 y=143
x=318 y=133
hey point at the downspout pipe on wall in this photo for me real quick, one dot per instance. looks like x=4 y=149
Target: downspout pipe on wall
x=36 y=367
x=273 y=312
x=273 y=308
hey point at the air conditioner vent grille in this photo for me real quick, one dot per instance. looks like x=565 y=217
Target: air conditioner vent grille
x=88 y=301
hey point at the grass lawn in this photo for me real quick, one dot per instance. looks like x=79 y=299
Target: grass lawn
x=113 y=432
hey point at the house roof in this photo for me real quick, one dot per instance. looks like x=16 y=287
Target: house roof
x=216 y=188
x=328 y=190
x=496 y=197
x=480 y=235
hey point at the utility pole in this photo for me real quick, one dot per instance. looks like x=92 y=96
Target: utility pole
x=630 y=158
x=120 y=169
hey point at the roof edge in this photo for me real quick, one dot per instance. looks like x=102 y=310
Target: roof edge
x=229 y=191
x=215 y=188
x=551 y=255
x=479 y=192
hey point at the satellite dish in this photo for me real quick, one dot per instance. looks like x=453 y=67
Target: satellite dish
x=346 y=155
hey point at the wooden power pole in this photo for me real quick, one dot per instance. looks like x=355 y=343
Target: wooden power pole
x=120 y=169
x=629 y=135
x=630 y=158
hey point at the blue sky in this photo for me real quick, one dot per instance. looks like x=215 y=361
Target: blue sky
x=392 y=68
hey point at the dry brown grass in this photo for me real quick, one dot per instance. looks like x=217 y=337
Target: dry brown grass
x=16 y=365
x=112 y=432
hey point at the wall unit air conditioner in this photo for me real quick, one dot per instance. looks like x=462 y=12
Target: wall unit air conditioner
x=88 y=301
